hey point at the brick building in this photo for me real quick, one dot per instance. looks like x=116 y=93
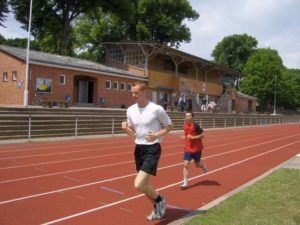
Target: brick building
x=59 y=78
x=170 y=73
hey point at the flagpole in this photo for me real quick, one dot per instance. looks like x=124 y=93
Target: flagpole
x=27 y=58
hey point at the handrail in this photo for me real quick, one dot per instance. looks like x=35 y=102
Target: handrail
x=32 y=126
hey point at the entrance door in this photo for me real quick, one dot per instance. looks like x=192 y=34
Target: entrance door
x=83 y=91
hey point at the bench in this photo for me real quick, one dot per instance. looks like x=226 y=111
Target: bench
x=51 y=103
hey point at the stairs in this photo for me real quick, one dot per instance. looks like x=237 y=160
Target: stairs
x=34 y=122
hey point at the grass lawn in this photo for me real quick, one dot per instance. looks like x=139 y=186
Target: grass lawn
x=274 y=200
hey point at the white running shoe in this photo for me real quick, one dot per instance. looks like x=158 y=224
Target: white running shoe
x=159 y=211
x=184 y=185
x=153 y=215
x=205 y=169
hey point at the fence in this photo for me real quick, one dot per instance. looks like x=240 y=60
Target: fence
x=33 y=126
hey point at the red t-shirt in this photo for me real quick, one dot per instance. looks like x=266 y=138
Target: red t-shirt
x=191 y=145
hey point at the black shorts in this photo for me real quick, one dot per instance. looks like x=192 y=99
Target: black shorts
x=147 y=157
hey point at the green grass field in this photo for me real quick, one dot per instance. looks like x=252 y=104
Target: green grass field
x=274 y=200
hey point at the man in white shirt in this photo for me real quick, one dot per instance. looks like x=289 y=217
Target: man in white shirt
x=144 y=121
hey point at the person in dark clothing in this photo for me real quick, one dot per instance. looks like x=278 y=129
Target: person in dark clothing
x=190 y=105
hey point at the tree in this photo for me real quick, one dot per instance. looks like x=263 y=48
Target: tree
x=261 y=68
x=52 y=20
x=94 y=28
x=153 y=21
x=3 y=11
x=234 y=50
x=291 y=91
x=162 y=21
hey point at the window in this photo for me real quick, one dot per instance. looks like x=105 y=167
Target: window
x=62 y=79
x=117 y=55
x=108 y=84
x=135 y=58
x=5 y=76
x=123 y=86
x=129 y=86
x=116 y=85
x=14 y=75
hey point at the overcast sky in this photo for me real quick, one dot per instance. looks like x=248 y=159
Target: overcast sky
x=274 y=24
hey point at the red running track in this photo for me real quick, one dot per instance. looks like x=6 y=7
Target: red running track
x=91 y=181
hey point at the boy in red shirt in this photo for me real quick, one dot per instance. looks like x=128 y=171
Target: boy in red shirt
x=192 y=147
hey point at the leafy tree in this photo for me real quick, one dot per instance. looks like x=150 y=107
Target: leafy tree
x=261 y=68
x=234 y=50
x=52 y=20
x=291 y=97
x=157 y=21
x=162 y=21
x=94 y=28
x=21 y=43
x=3 y=11
x=2 y=40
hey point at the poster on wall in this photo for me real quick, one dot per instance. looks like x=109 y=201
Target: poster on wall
x=43 y=85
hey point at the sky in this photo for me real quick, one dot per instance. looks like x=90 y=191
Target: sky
x=274 y=23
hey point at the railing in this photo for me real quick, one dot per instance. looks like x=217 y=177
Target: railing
x=34 y=126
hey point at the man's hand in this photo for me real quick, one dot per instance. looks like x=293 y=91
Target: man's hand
x=124 y=125
x=189 y=137
x=150 y=136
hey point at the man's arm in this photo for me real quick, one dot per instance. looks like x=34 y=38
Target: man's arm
x=200 y=136
x=128 y=129
x=152 y=136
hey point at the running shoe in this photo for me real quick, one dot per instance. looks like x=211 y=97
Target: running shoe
x=161 y=208
x=205 y=169
x=184 y=185
x=153 y=215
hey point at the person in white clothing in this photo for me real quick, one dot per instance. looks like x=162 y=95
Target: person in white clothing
x=144 y=121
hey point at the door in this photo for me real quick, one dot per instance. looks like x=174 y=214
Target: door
x=83 y=91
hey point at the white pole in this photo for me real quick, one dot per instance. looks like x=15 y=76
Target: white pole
x=275 y=96
x=27 y=58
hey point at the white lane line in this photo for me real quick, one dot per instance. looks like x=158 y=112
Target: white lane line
x=65 y=172
x=60 y=153
x=111 y=147
x=71 y=178
x=112 y=190
x=55 y=146
x=122 y=177
x=115 y=154
x=165 y=187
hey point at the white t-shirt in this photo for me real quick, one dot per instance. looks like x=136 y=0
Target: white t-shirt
x=147 y=119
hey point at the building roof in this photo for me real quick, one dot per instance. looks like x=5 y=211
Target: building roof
x=164 y=49
x=66 y=62
x=240 y=94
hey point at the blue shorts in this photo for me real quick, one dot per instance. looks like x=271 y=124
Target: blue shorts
x=188 y=156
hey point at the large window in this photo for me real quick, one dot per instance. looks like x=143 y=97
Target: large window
x=117 y=55
x=135 y=58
